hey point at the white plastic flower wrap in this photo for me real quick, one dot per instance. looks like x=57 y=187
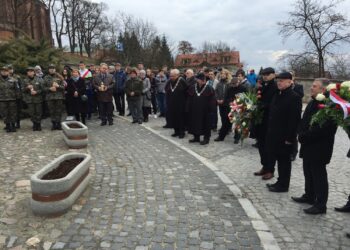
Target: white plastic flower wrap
x=346 y=84
x=320 y=97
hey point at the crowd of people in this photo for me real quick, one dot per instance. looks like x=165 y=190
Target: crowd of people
x=189 y=102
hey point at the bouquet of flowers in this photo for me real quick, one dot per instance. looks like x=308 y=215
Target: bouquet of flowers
x=245 y=112
x=335 y=106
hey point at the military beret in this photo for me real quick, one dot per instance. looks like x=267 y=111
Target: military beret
x=284 y=75
x=268 y=71
x=52 y=66
x=201 y=76
x=30 y=69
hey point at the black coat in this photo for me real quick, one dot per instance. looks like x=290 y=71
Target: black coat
x=232 y=91
x=316 y=142
x=284 y=117
x=299 y=89
x=176 y=103
x=268 y=90
x=200 y=109
x=75 y=105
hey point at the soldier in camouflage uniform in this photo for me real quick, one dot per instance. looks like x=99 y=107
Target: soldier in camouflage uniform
x=8 y=95
x=18 y=97
x=32 y=89
x=54 y=89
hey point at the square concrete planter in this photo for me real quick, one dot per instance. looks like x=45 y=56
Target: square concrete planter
x=75 y=134
x=59 y=184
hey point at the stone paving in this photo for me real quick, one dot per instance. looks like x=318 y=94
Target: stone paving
x=290 y=226
x=145 y=193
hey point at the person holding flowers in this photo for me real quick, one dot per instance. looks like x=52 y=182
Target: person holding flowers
x=265 y=94
x=316 y=151
x=283 y=121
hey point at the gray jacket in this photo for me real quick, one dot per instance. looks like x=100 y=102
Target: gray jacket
x=221 y=89
x=146 y=93
x=160 y=84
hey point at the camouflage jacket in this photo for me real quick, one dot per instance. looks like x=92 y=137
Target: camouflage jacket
x=37 y=84
x=18 y=86
x=8 y=89
x=48 y=82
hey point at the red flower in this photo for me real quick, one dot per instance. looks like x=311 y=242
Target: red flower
x=337 y=106
x=321 y=106
x=338 y=86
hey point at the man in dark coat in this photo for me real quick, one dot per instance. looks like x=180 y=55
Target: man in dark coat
x=200 y=105
x=268 y=90
x=346 y=207
x=284 y=117
x=76 y=97
x=316 y=151
x=104 y=84
x=299 y=89
x=176 y=92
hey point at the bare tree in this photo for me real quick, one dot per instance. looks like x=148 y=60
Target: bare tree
x=185 y=47
x=216 y=47
x=59 y=19
x=71 y=10
x=340 y=68
x=20 y=12
x=304 y=64
x=320 y=25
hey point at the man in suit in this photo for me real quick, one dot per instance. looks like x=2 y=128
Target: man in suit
x=284 y=117
x=104 y=84
x=316 y=151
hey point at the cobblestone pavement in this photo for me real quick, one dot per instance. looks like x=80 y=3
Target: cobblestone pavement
x=145 y=193
x=290 y=226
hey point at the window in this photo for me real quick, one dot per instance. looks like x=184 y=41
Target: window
x=226 y=59
x=186 y=61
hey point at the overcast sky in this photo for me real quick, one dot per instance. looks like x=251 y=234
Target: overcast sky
x=250 y=25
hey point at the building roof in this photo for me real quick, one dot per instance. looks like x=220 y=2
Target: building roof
x=212 y=59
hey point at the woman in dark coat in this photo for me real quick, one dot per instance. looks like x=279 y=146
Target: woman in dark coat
x=76 y=97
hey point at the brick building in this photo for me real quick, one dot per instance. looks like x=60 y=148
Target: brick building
x=228 y=60
x=19 y=17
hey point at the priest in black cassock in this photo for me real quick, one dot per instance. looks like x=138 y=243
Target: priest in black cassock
x=176 y=93
x=201 y=103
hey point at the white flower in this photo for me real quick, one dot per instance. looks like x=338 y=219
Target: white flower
x=249 y=106
x=331 y=86
x=346 y=84
x=320 y=97
x=244 y=124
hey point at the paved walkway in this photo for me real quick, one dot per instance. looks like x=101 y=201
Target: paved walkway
x=146 y=193
x=290 y=226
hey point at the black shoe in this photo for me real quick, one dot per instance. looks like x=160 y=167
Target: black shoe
x=204 y=142
x=175 y=135
x=133 y=122
x=53 y=127
x=293 y=157
x=315 y=210
x=269 y=185
x=278 y=189
x=139 y=122
x=145 y=120
x=8 y=127
x=129 y=114
x=348 y=235
x=103 y=123
x=194 y=140
x=166 y=126
x=255 y=145
x=181 y=136
x=58 y=126
x=302 y=199
x=121 y=114
x=343 y=209
x=219 y=139
x=38 y=126
x=18 y=124
x=110 y=123
x=13 y=128
x=236 y=141
x=35 y=126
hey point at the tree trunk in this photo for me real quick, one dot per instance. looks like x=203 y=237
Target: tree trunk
x=321 y=71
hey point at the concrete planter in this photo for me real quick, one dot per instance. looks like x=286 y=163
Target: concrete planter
x=75 y=134
x=56 y=196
